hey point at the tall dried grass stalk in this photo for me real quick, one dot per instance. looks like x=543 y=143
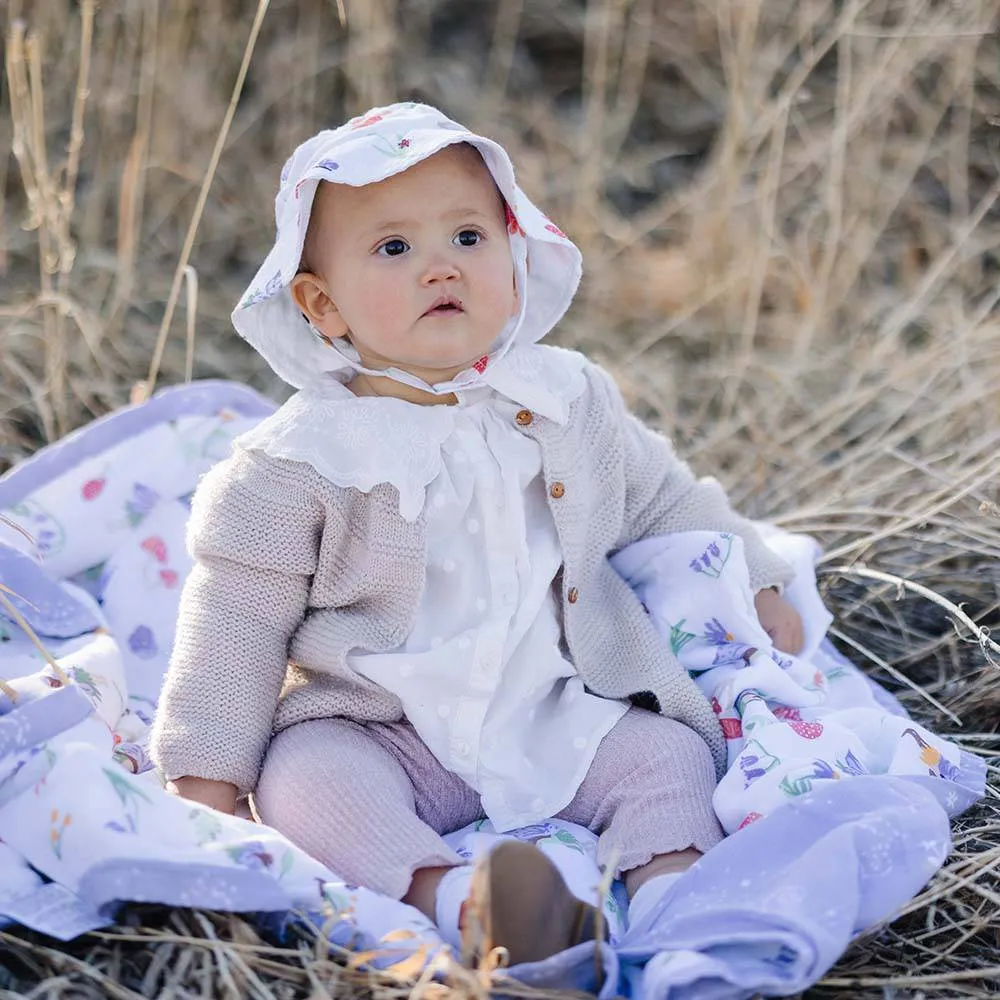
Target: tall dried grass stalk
x=183 y=268
x=134 y=168
x=50 y=198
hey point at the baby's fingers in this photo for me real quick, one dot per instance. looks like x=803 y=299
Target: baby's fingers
x=789 y=636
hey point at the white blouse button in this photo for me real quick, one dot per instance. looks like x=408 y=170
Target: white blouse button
x=444 y=711
x=472 y=525
x=448 y=565
x=480 y=603
x=439 y=500
x=579 y=743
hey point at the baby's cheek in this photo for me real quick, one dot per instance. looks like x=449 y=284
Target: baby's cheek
x=502 y=294
x=386 y=305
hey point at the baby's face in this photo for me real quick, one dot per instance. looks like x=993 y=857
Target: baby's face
x=418 y=267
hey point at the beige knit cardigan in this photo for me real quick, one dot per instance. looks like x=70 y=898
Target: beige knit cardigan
x=293 y=572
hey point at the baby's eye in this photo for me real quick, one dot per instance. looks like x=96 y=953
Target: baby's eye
x=393 y=247
x=468 y=238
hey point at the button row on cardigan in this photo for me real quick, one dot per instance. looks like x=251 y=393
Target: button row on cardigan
x=524 y=417
x=573 y=596
x=557 y=491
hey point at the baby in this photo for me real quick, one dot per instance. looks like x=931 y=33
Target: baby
x=402 y=617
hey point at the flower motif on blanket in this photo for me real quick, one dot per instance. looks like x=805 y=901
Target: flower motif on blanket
x=142 y=642
x=59 y=823
x=790 y=722
x=131 y=795
x=140 y=502
x=712 y=561
x=256 y=856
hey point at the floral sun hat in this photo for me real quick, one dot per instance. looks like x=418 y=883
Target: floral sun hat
x=367 y=149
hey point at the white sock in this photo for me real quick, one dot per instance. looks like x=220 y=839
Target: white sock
x=649 y=894
x=452 y=892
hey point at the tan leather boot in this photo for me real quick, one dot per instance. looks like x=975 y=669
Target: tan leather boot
x=519 y=909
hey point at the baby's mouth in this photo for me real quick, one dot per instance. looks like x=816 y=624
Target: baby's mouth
x=446 y=305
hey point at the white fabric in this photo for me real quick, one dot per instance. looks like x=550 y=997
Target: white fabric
x=360 y=441
x=481 y=675
x=371 y=148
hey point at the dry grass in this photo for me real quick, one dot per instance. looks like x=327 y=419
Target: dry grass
x=789 y=217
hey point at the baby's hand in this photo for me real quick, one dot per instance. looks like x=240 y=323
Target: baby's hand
x=214 y=794
x=780 y=620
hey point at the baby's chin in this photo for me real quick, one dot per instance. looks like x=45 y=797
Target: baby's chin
x=445 y=365
x=443 y=370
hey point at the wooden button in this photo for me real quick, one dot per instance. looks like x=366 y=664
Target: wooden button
x=557 y=490
x=524 y=417
x=573 y=596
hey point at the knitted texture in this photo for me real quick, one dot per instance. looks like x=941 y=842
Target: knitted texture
x=292 y=572
x=368 y=801
x=371 y=801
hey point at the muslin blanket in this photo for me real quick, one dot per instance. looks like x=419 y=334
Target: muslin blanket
x=837 y=803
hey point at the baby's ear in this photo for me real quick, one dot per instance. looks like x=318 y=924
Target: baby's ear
x=312 y=296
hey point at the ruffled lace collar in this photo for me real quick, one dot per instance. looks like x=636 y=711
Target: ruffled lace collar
x=362 y=441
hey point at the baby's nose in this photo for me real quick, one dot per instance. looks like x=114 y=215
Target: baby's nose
x=440 y=268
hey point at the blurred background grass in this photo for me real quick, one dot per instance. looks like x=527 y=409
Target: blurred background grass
x=792 y=243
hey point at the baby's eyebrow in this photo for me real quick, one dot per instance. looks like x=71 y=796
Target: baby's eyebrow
x=391 y=224
x=465 y=211
x=450 y=214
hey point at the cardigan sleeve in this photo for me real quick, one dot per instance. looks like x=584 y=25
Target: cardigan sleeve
x=254 y=534
x=662 y=496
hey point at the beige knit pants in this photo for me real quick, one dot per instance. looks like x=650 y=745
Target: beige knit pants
x=370 y=801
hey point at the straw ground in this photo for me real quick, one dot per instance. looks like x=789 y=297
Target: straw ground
x=789 y=217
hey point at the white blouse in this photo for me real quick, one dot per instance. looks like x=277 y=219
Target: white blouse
x=483 y=675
